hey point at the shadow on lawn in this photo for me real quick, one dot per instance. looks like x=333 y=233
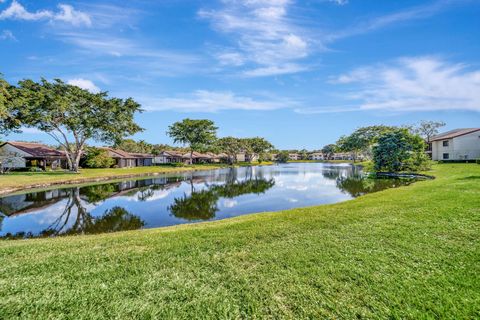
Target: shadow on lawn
x=470 y=178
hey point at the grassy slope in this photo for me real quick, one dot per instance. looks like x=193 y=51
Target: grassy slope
x=411 y=252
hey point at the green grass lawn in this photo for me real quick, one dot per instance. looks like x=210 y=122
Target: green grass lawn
x=15 y=180
x=411 y=252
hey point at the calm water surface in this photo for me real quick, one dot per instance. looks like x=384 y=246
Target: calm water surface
x=182 y=198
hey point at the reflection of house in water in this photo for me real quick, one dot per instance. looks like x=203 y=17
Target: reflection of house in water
x=24 y=203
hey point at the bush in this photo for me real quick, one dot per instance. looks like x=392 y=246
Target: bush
x=98 y=158
x=399 y=150
x=477 y=161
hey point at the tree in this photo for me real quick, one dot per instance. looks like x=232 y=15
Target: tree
x=427 y=129
x=400 y=150
x=283 y=157
x=130 y=145
x=231 y=146
x=197 y=134
x=9 y=121
x=303 y=154
x=255 y=146
x=329 y=150
x=362 y=139
x=67 y=112
x=98 y=158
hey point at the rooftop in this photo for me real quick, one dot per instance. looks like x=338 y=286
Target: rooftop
x=454 y=133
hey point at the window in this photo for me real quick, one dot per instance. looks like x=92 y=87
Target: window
x=446 y=156
x=445 y=143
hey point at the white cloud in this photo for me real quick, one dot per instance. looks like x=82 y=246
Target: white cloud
x=274 y=70
x=84 y=84
x=67 y=14
x=213 y=101
x=262 y=34
x=410 y=84
x=7 y=35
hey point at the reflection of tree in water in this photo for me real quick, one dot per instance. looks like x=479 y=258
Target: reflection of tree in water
x=202 y=205
x=357 y=185
x=115 y=219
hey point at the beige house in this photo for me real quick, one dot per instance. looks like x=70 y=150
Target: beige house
x=316 y=156
x=458 y=144
x=21 y=155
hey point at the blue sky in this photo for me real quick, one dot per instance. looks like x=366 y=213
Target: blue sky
x=300 y=73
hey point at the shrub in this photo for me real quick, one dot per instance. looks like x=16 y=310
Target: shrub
x=477 y=161
x=399 y=150
x=98 y=158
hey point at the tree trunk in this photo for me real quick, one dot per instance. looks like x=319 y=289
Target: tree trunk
x=191 y=157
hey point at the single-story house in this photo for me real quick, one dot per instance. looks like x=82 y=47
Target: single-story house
x=458 y=144
x=18 y=155
x=197 y=157
x=143 y=159
x=125 y=159
x=169 y=157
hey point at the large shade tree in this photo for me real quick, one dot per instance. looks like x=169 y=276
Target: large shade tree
x=230 y=146
x=9 y=121
x=196 y=134
x=253 y=147
x=427 y=129
x=72 y=115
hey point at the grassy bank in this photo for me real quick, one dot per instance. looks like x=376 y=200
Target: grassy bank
x=411 y=252
x=18 y=180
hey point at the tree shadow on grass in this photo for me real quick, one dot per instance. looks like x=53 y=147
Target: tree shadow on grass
x=470 y=178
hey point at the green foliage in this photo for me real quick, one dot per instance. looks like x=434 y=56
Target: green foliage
x=329 y=150
x=9 y=120
x=231 y=146
x=362 y=139
x=98 y=158
x=130 y=145
x=477 y=161
x=60 y=110
x=197 y=134
x=254 y=146
x=399 y=150
x=282 y=157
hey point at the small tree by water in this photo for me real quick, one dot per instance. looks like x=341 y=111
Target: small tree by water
x=399 y=150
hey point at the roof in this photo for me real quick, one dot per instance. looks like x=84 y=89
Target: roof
x=36 y=149
x=197 y=155
x=119 y=153
x=173 y=153
x=141 y=155
x=453 y=134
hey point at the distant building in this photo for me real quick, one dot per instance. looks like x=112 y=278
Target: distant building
x=169 y=157
x=458 y=144
x=316 y=156
x=294 y=156
x=19 y=155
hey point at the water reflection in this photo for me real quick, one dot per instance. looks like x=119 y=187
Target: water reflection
x=173 y=199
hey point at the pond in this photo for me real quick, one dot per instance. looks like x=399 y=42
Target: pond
x=182 y=198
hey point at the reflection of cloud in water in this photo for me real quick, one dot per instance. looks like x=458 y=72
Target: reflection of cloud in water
x=228 y=203
x=292 y=200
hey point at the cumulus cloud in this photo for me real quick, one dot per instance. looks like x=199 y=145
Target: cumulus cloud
x=262 y=34
x=66 y=14
x=84 y=84
x=410 y=84
x=213 y=101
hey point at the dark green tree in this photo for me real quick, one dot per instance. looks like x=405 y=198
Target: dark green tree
x=230 y=146
x=283 y=157
x=399 y=150
x=98 y=158
x=197 y=134
x=68 y=113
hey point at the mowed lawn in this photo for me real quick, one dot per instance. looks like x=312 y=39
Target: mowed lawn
x=412 y=252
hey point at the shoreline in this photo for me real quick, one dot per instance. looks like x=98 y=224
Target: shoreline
x=10 y=190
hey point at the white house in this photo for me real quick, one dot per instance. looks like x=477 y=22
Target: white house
x=18 y=155
x=294 y=156
x=316 y=156
x=458 y=144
